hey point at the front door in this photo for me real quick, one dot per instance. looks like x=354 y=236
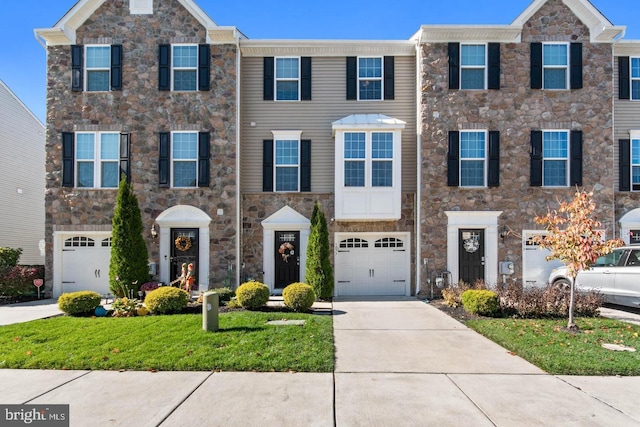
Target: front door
x=471 y=255
x=287 y=253
x=184 y=250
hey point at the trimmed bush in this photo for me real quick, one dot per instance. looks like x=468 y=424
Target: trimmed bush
x=482 y=302
x=79 y=303
x=166 y=299
x=17 y=281
x=252 y=295
x=224 y=294
x=299 y=297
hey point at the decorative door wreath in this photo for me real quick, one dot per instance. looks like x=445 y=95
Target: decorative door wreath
x=183 y=243
x=286 y=250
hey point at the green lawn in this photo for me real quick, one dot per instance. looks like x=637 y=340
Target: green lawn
x=545 y=344
x=244 y=343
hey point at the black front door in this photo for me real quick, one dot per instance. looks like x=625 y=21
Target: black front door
x=471 y=255
x=287 y=253
x=184 y=250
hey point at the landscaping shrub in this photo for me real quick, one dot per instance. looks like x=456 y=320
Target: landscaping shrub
x=166 y=299
x=299 y=297
x=79 y=303
x=16 y=281
x=252 y=295
x=9 y=257
x=224 y=294
x=482 y=302
x=452 y=293
x=125 y=307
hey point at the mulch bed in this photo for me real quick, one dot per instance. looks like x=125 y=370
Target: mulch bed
x=458 y=313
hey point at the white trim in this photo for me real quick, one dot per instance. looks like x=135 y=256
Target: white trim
x=326 y=48
x=485 y=168
x=371 y=79
x=286 y=219
x=566 y=67
x=171 y=159
x=87 y=69
x=566 y=159
x=141 y=7
x=286 y=79
x=484 y=68
x=184 y=216
x=467 y=33
x=485 y=220
x=194 y=68
x=284 y=135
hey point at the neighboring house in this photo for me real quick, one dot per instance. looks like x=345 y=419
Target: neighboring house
x=22 y=148
x=429 y=156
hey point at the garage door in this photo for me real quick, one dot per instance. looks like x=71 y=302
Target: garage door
x=536 y=268
x=372 y=264
x=85 y=264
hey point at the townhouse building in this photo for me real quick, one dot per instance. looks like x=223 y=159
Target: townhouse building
x=429 y=156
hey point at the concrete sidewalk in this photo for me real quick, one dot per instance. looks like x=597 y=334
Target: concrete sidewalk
x=399 y=362
x=28 y=311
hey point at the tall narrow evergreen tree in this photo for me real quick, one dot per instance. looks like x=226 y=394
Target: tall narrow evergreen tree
x=319 y=272
x=128 y=268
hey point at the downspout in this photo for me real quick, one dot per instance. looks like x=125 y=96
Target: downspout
x=613 y=142
x=418 y=201
x=238 y=194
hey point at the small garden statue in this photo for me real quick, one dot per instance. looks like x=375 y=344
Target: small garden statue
x=186 y=279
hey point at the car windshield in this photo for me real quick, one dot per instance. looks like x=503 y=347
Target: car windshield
x=609 y=260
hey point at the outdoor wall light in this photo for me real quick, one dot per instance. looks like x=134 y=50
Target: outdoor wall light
x=153 y=232
x=503 y=232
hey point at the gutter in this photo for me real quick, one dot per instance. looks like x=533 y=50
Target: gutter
x=418 y=202
x=238 y=194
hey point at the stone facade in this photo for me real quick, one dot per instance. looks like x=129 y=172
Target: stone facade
x=515 y=110
x=144 y=111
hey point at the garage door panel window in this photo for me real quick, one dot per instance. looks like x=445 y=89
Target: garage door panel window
x=354 y=243
x=79 y=242
x=389 y=242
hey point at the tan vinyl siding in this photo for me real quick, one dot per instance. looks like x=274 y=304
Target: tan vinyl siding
x=627 y=117
x=22 y=175
x=314 y=118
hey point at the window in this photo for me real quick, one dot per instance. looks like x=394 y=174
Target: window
x=635 y=78
x=287 y=79
x=98 y=68
x=555 y=65
x=635 y=164
x=97 y=160
x=473 y=61
x=184 y=158
x=185 y=67
x=370 y=78
x=473 y=158
x=379 y=156
x=555 y=158
x=287 y=164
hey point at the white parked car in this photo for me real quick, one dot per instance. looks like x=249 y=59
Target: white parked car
x=616 y=276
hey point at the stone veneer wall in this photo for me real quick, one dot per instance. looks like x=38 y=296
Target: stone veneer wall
x=515 y=110
x=144 y=111
x=256 y=207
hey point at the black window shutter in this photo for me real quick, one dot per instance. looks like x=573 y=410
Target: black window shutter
x=68 y=150
x=268 y=76
x=352 y=78
x=625 y=164
x=453 y=159
x=575 y=72
x=454 y=65
x=575 y=159
x=389 y=77
x=164 y=67
x=116 y=67
x=267 y=165
x=125 y=156
x=77 y=67
x=305 y=165
x=204 y=148
x=493 y=179
x=204 y=67
x=305 y=74
x=494 y=65
x=163 y=160
x=536 y=158
x=624 y=79
x=536 y=66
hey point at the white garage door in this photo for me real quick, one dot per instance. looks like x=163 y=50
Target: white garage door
x=85 y=264
x=372 y=264
x=535 y=267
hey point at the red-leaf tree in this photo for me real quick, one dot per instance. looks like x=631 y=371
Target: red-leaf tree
x=575 y=237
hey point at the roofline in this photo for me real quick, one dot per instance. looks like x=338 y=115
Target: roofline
x=327 y=47
x=451 y=33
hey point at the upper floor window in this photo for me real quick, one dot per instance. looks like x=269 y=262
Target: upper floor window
x=473 y=62
x=368 y=159
x=555 y=64
x=635 y=78
x=555 y=158
x=473 y=155
x=287 y=164
x=185 y=67
x=98 y=68
x=287 y=79
x=184 y=158
x=370 y=78
x=97 y=160
x=635 y=164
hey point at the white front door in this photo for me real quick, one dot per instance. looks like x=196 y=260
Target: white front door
x=372 y=264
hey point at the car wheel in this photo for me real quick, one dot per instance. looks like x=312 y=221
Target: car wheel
x=563 y=284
